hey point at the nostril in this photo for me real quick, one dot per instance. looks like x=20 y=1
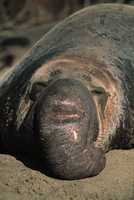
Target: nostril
x=62 y=117
x=63 y=113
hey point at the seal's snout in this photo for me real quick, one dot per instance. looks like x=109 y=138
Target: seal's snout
x=67 y=125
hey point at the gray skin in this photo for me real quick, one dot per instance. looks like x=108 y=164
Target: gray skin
x=71 y=98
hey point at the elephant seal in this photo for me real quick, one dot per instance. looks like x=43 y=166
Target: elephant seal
x=71 y=98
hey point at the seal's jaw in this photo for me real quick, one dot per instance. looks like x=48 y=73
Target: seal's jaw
x=66 y=122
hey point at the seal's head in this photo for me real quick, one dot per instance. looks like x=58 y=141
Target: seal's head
x=66 y=121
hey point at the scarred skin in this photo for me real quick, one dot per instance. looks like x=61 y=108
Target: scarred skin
x=70 y=99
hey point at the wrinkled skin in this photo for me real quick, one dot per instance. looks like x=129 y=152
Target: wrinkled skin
x=70 y=99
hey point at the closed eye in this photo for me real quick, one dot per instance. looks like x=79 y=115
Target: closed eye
x=37 y=89
x=97 y=92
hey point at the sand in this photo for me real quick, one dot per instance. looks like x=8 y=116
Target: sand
x=22 y=178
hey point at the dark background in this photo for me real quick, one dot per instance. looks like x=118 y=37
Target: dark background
x=20 y=15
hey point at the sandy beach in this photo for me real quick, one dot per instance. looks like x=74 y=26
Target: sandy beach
x=22 y=178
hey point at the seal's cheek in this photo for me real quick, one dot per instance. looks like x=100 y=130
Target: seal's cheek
x=67 y=125
x=112 y=107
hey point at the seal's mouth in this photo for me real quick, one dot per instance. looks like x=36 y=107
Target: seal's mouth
x=67 y=126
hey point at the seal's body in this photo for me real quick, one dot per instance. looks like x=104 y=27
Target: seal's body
x=70 y=99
